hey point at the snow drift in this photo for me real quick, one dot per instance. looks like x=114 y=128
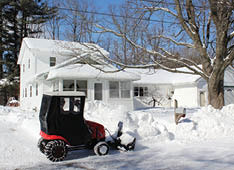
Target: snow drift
x=156 y=124
x=202 y=140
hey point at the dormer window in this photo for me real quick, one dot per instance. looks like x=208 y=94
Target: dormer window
x=52 y=61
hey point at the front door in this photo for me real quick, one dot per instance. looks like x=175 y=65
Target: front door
x=97 y=91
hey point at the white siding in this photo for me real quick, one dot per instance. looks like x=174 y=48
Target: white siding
x=40 y=63
x=43 y=60
x=186 y=96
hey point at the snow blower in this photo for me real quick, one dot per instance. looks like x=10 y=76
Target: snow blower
x=63 y=128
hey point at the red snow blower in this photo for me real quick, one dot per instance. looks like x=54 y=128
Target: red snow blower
x=63 y=128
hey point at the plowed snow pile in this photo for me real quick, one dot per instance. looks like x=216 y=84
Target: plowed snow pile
x=158 y=123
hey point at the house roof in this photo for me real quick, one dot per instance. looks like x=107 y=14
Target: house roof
x=58 y=46
x=159 y=76
x=85 y=71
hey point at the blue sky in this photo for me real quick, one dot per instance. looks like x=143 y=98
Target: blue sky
x=103 y=4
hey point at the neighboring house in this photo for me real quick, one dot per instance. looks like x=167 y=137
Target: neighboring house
x=229 y=86
x=51 y=65
x=188 y=90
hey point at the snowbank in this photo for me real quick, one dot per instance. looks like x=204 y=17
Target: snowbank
x=202 y=140
x=208 y=123
x=155 y=124
x=26 y=120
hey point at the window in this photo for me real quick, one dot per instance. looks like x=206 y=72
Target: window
x=119 y=89
x=81 y=85
x=136 y=91
x=70 y=105
x=28 y=63
x=125 y=89
x=141 y=91
x=72 y=85
x=64 y=105
x=76 y=105
x=68 y=85
x=23 y=68
x=30 y=91
x=25 y=92
x=114 y=89
x=52 y=61
x=36 y=89
x=145 y=93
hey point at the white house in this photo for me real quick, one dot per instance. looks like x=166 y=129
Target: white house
x=188 y=90
x=51 y=65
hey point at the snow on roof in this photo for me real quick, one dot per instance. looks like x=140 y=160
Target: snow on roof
x=85 y=71
x=49 y=45
x=58 y=46
x=159 y=76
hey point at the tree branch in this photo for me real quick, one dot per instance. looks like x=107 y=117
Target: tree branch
x=175 y=42
x=168 y=57
x=154 y=9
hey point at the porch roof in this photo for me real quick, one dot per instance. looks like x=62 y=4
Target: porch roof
x=85 y=71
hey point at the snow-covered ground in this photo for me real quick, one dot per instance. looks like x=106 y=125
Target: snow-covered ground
x=204 y=139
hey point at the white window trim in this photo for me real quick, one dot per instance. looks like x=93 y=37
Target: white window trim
x=120 y=90
x=75 y=83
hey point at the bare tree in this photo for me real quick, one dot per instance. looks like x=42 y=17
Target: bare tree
x=129 y=22
x=79 y=20
x=52 y=29
x=204 y=26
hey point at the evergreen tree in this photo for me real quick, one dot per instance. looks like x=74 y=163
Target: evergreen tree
x=26 y=19
x=19 y=19
x=3 y=33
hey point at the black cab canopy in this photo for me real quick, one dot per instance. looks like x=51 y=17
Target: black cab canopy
x=61 y=114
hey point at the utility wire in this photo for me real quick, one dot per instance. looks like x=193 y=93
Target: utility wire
x=174 y=4
x=114 y=15
x=170 y=3
x=130 y=17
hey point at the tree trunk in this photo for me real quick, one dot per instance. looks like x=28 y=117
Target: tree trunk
x=216 y=91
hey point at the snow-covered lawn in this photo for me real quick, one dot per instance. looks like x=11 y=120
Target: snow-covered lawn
x=203 y=140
